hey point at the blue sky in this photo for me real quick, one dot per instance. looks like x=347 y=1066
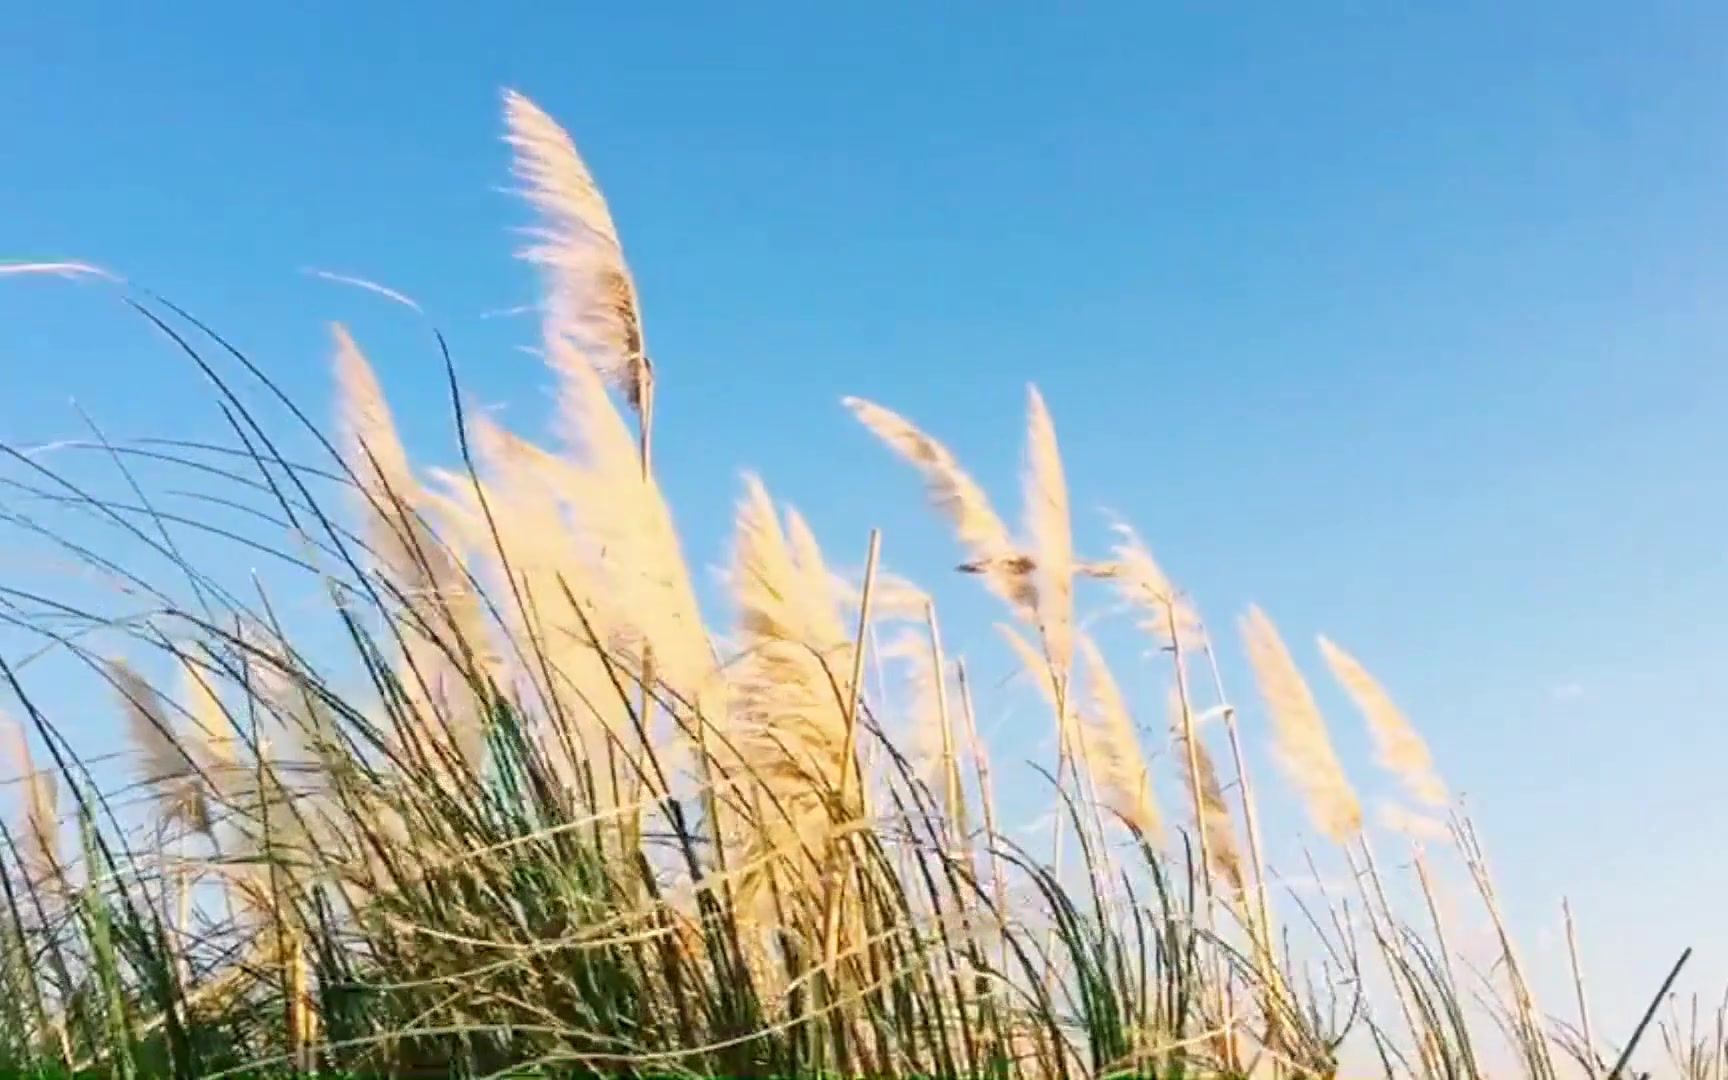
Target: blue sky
x=1405 y=322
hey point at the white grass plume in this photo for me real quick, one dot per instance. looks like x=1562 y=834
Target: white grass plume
x=1205 y=791
x=791 y=677
x=783 y=590
x=1117 y=758
x=40 y=847
x=1036 y=666
x=368 y=430
x=591 y=294
x=415 y=561
x=787 y=720
x=1422 y=828
x=1303 y=746
x=1049 y=532
x=163 y=765
x=1073 y=746
x=447 y=640
x=922 y=734
x=525 y=540
x=211 y=738
x=525 y=544
x=815 y=578
x=1399 y=747
x=620 y=515
x=892 y=599
x=906 y=653
x=990 y=550
x=1144 y=587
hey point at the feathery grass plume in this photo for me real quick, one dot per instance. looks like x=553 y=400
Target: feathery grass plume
x=782 y=589
x=1205 y=791
x=774 y=607
x=1143 y=585
x=1304 y=749
x=1117 y=758
x=313 y=749
x=229 y=780
x=418 y=572
x=280 y=684
x=41 y=854
x=919 y=733
x=1165 y=617
x=274 y=803
x=990 y=550
x=1073 y=745
x=817 y=580
x=273 y=856
x=1418 y=827
x=446 y=640
x=1049 y=532
x=800 y=631
x=953 y=787
x=789 y=687
x=926 y=733
x=413 y=558
x=528 y=512
x=1034 y=663
x=378 y=460
x=893 y=599
x=211 y=740
x=1400 y=748
x=164 y=766
x=388 y=494
x=621 y=517
x=524 y=543
x=1037 y=668
x=590 y=293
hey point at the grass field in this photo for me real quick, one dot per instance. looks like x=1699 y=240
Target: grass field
x=522 y=807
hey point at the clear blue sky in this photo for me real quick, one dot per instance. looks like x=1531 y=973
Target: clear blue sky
x=1405 y=321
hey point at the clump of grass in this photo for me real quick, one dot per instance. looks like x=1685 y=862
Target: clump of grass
x=515 y=804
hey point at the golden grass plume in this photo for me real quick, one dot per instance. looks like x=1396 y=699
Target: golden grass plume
x=1117 y=758
x=990 y=549
x=1304 y=748
x=591 y=295
x=1399 y=746
x=1049 y=532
